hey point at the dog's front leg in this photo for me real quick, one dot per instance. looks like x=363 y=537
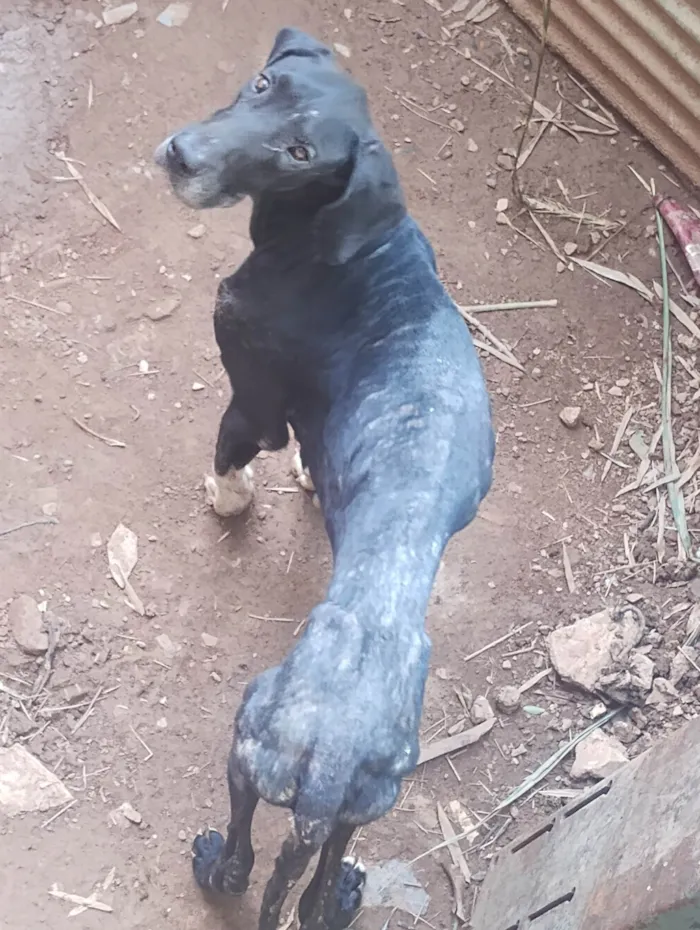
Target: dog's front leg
x=230 y=488
x=334 y=895
x=226 y=865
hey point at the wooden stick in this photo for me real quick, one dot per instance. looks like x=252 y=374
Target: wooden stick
x=510 y=305
x=497 y=642
x=452 y=743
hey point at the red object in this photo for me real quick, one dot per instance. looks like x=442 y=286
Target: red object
x=685 y=226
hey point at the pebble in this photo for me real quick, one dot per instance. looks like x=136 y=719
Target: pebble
x=209 y=640
x=491 y=182
x=504 y=161
x=570 y=248
x=197 y=231
x=481 y=710
x=501 y=205
x=119 y=14
x=457 y=125
x=26 y=623
x=130 y=813
x=163 y=309
x=342 y=49
x=570 y=416
x=472 y=146
x=508 y=699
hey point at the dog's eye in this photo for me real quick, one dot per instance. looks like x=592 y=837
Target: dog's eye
x=261 y=83
x=299 y=152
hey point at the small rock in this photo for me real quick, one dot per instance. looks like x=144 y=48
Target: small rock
x=119 y=14
x=182 y=836
x=197 y=386
x=465 y=80
x=162 y=723
x=501 y=205
x=680 y=664
x=583 y=651
x=570 y=248
x=215 y=677
x=561 y=267
x=197 y=231
x=130 y=813
x=626 y=732
x=508 y=699
x=472 y=146
x=26 y=785
x=491 y=182
x=209 y=640
x=481 y=710
x=598 y=756
x=167 y=645
x=570 y=416
x=615 y=391
x=594 y=236
x=342 y=49
x=457 y=125
x=26 y=623
x=163 y=309
x=507 y=162
x=501 y=219
x=175 y=14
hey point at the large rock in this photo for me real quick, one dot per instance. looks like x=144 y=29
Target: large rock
x=598 y=756
x=26 y=623
x=584 y=652
x=26 y=785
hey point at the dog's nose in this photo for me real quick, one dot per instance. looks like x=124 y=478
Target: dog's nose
x=182 y=157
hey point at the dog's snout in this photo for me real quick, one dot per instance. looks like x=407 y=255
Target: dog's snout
x=182 y=156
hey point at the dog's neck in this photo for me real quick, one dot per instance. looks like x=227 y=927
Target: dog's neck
x=284 y=217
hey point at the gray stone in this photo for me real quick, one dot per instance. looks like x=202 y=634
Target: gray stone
x=570 y=417
x=508 y=699
x=26 y=623
x=481 y=710
x=598 y=756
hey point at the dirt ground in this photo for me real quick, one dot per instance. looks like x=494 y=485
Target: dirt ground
x=112 y=329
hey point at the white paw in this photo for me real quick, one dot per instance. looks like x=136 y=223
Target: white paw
x=301 y=474
x=230 y=494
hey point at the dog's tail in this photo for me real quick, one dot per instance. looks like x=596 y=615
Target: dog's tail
x=323 y=792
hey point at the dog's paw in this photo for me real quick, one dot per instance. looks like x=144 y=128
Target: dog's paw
x=351 y=883
x=303 y=478
x=207 y=848
x=230 y=494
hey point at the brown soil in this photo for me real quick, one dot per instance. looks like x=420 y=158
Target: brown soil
x=106 y=97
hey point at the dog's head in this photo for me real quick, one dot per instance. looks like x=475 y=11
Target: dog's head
x=301 y=121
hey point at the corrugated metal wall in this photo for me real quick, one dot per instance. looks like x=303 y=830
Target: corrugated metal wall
x=643 y=56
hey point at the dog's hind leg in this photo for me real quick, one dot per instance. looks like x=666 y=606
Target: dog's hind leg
x=334 y=895
x=225 y=865
x=290 y=865
x=230 y=489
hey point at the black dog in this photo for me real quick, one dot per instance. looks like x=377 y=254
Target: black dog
x=337 y=324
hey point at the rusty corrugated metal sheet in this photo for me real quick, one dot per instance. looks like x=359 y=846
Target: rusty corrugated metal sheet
x=643 y=56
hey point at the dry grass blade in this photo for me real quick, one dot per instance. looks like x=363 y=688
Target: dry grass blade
x=499 y=355
x=591 y=114
x=547 y=238
x=481 y=11
x=530 y=147
x=550 y=207
x=90 y=902
x=619 y=277
x=41 y=521
x=485 y=331
x=114 y=443
x=692 y=467
x=93 y=198
x=456 y=854
x=568 y=572
x=624 y=423
x=609 y=116
x=678 y=312
x=675 y=495
x=35 y=303
x=510 y=305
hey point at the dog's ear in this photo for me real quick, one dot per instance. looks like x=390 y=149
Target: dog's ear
x=371 y=205
x=295 y=42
